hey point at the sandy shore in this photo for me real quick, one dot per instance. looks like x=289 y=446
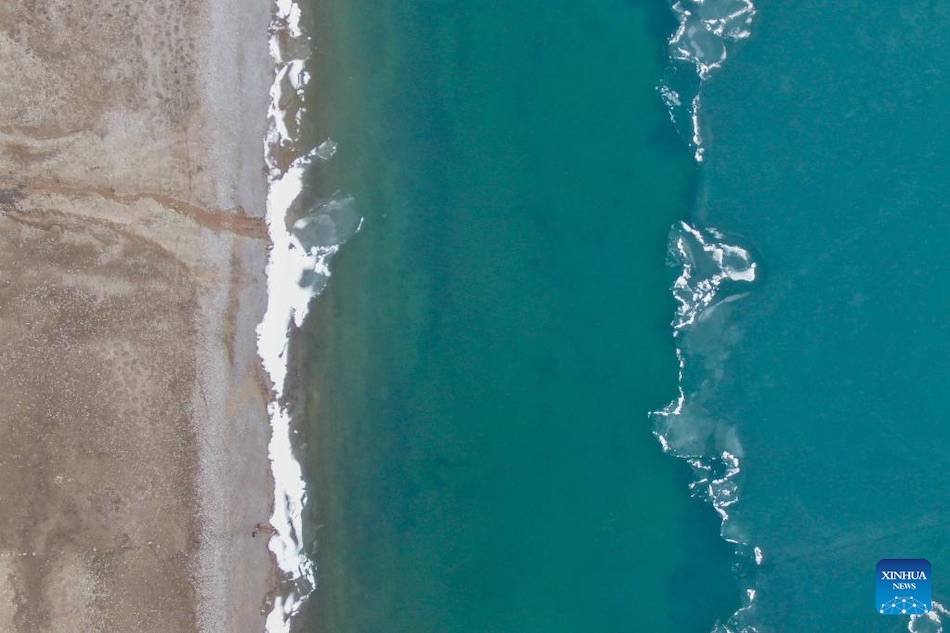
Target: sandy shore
x=133 y=466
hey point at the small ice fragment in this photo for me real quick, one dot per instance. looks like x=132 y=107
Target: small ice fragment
x=326 y=150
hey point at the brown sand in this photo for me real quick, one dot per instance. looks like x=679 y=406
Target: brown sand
x=132 y=426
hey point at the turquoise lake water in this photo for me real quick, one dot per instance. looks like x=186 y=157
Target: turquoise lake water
x=476 y=381
x=826 y=158
x=477 y=388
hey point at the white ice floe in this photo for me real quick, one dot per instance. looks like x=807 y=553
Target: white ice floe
x=931 y=622
x=287 y=302
x=706 y=263
x=712 y=272
x=702 y=39
x=304 y=235
x=287 y=15
x=297 y=271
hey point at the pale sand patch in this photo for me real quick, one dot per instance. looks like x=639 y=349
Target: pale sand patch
x=8 y=605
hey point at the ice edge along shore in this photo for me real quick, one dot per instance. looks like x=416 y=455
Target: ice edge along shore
x=290 y=262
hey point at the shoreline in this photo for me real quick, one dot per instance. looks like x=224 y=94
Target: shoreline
x=239 y=573
x=304 y=235
x=132 y=198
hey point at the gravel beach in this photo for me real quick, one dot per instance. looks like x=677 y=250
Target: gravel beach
x=133 y=466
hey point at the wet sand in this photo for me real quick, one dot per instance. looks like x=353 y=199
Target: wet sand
x=133 y=465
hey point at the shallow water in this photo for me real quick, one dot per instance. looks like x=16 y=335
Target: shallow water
x=473 y=386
